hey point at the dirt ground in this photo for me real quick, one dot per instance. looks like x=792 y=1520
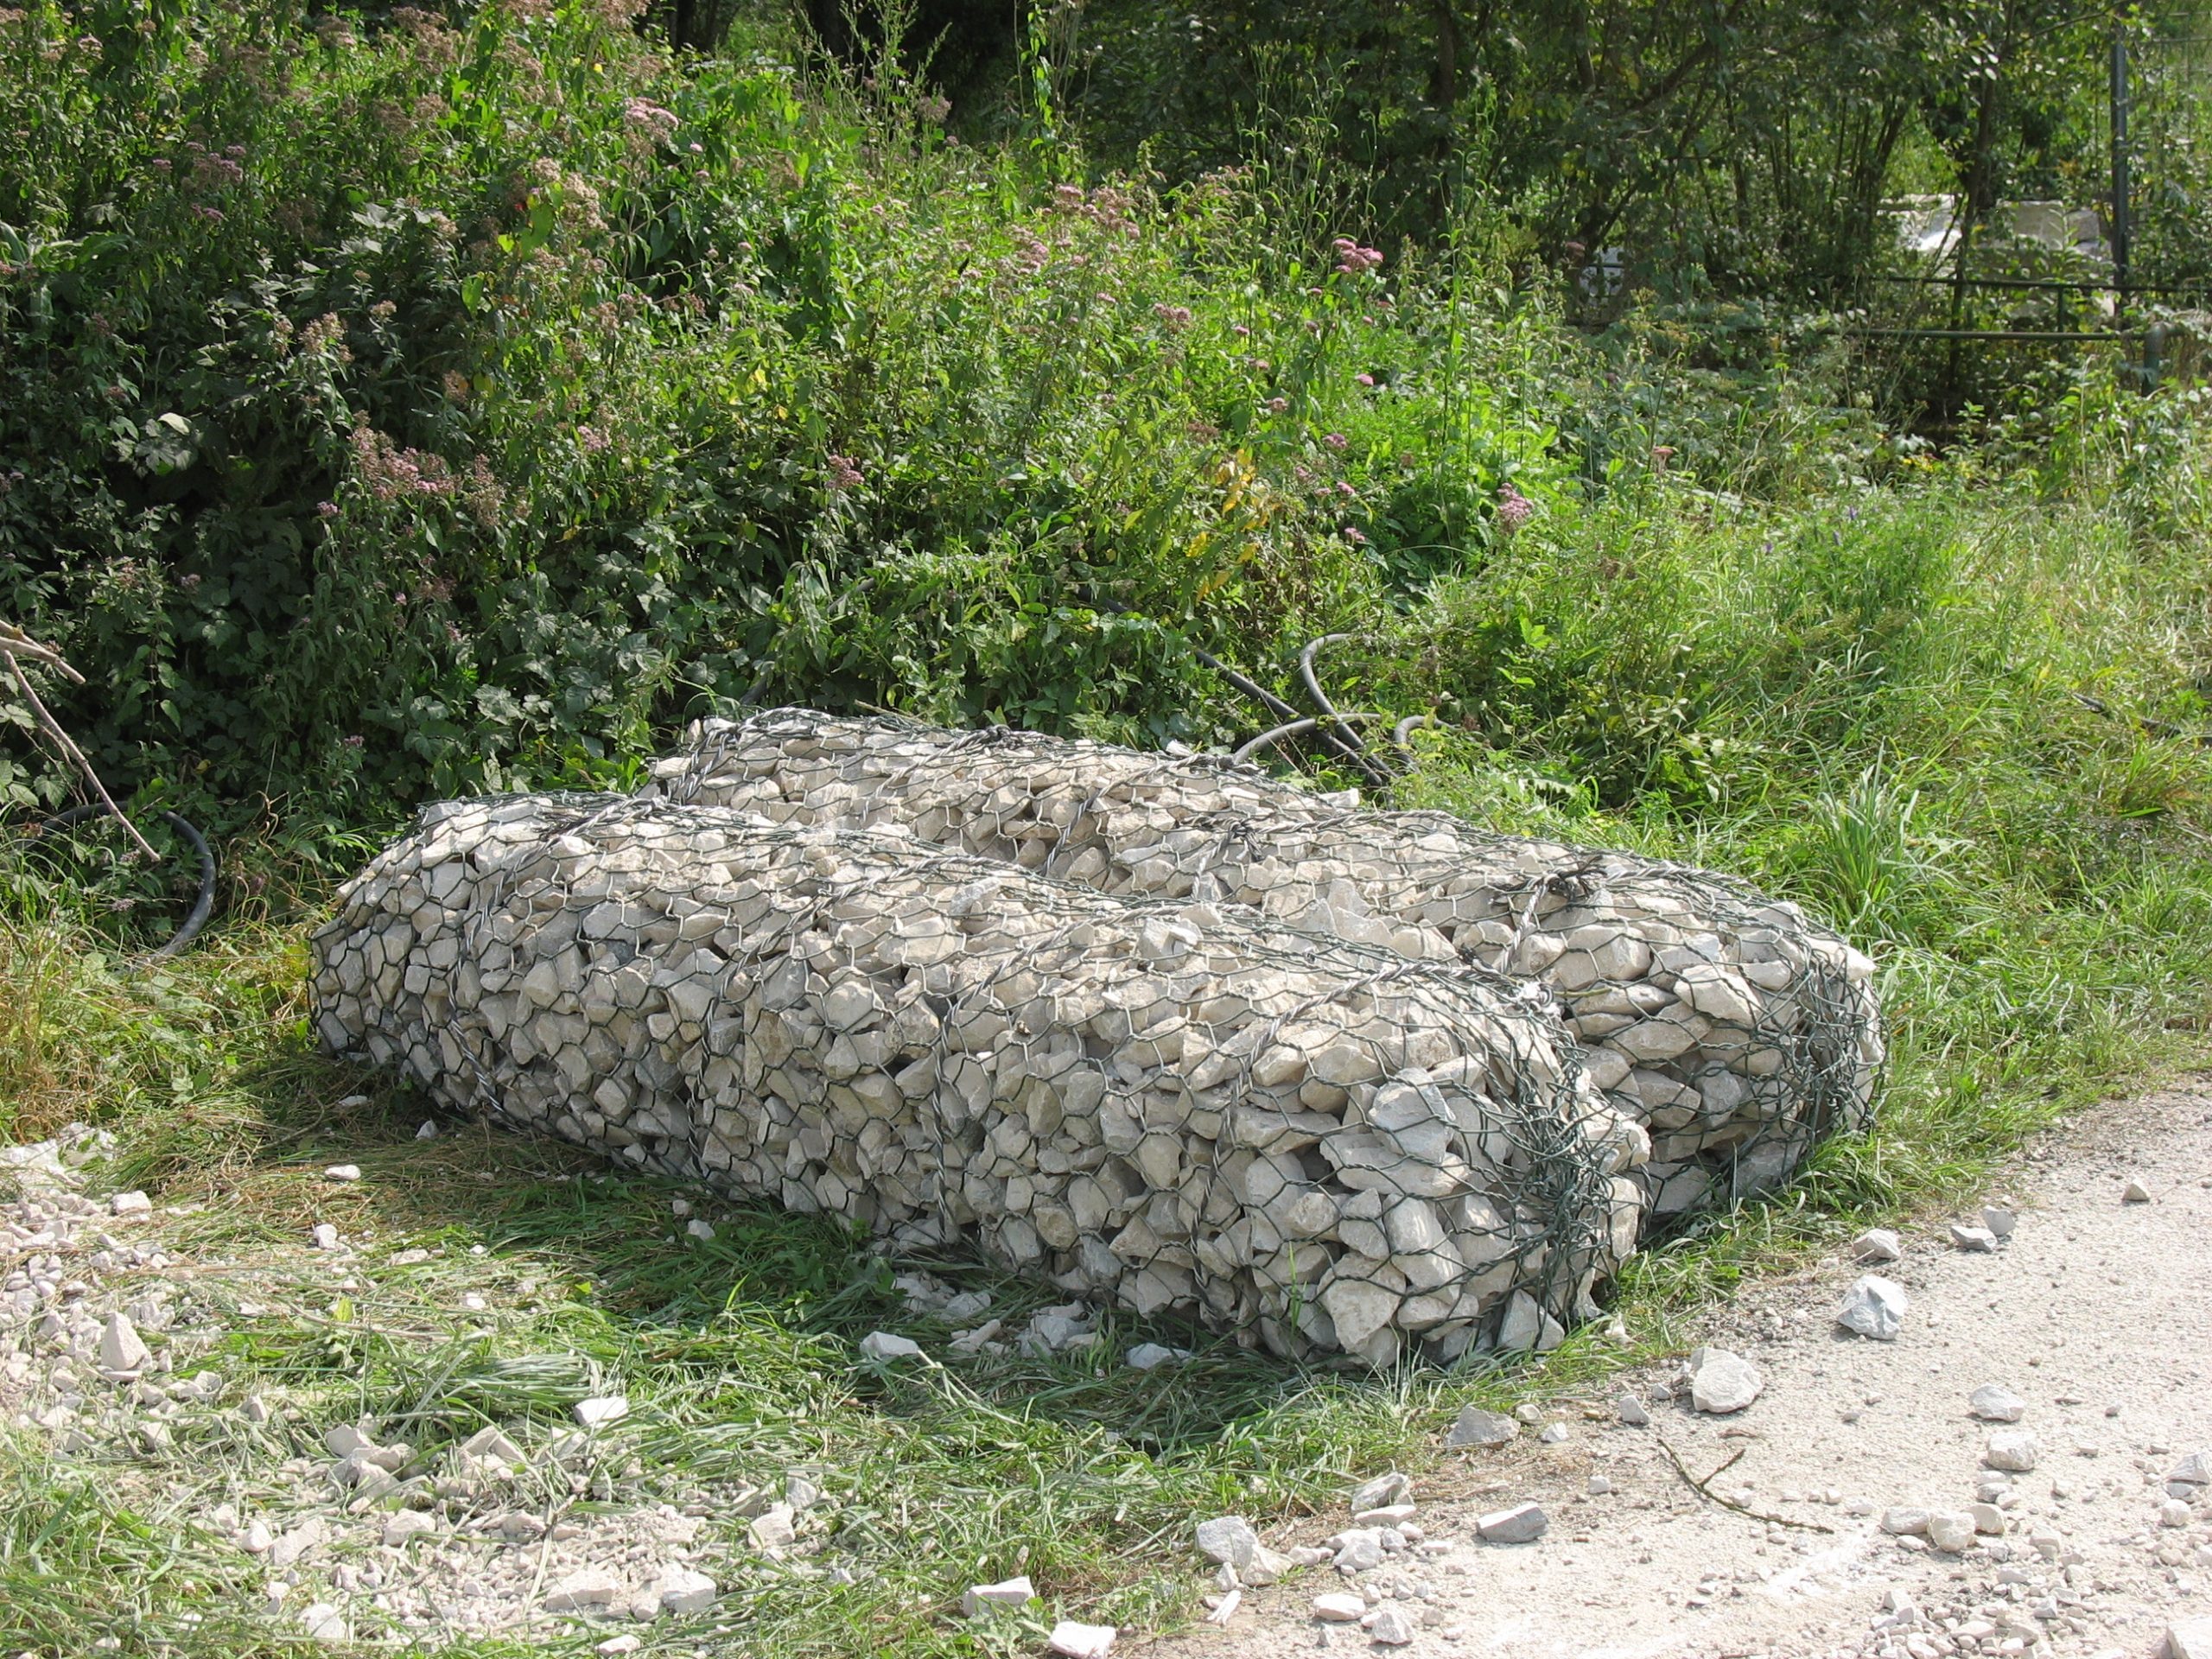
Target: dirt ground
x=2097 y=1312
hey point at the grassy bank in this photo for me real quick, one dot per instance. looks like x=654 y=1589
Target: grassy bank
x=1867 y=702
x=468 y=404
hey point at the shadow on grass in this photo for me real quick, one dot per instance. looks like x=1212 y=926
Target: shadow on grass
x=774 y=1305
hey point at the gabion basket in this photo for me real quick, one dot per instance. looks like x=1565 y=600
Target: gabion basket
x=1172 y=1099
x=1736 y=1030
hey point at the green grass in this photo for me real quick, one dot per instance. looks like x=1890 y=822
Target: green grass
x=1866 y=707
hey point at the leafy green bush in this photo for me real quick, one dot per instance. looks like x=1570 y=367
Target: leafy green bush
x=465 y=404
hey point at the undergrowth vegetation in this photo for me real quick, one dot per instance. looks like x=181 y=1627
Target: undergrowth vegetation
x=467 y=401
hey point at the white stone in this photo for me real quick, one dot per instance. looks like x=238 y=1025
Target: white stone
x=1999 y=1220
x=775 y=1529
x=1722 y=1383
x=1227 y=1539
x=1339 y=1607
x=1392 y=1488
x=404 y=1525
x=342 y=1173
x=1389 y=1628
x=2189 y=1639
x=1878 y=1244
x=1631 y=1411
x=1904 y=1521
x=1966 y=1237
x=428 y=1130
x=1993 y=1402
x=701 y=1230
x=1151 y=1356
x=324 y=1622
x=602 y=1409
x=122 y=1353
x=1074 y=1640
x=580 y=1592
x=1527 y=1327
x=685 y=1591
x=615 y=1646
x=1008 y=1592
x=2135 y=1193
x=1388 y=1515
x=1874 y=1307
x=883 y=1346
x=1951 y=1530
x=324 y=1236
x=1523 y=1524
x=1475 y=1427
x=2010 y=1449
x=130 y=1203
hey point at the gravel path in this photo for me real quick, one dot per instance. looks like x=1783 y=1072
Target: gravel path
x=2096 y=1313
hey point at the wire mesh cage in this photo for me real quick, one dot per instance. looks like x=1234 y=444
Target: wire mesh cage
x=1179 y=1104
x=1732 y=1028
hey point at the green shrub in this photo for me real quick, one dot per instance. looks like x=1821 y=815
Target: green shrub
x=468 y=404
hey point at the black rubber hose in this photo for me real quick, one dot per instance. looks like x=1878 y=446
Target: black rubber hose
x=1291 y=728
x=1251 y=688
x=202 y=907
x=1349 y=746
x=1401 y=735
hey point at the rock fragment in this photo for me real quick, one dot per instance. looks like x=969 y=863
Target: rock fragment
x=1229 y=1540
x=1339 y=1607
x=1994 y=1403
x=1008 y=1592
x=1632 y=1411
x=1072 y=1639
x=1873 y=1308
x=123 y=1354
x=1951 y=1530
x=1878 y=1244
x=582 y=1592
x=1523 y=1524
x=1477 y=1428
x=602 y=1409
x=686 y=1591
x=1722 y=1383
x=2135 y=1193
x=1151 y=1356
x=1967 y=1238
x=2189 y=1639
x=1389 y=1628
x=342 y=1173
x=2012 y=1450
x=1392 y=1488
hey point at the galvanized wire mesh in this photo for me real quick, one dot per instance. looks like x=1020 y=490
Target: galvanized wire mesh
x=1177 y=1104
x=1734 y=1029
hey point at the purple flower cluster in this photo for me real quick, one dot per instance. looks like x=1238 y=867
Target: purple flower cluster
x=654 y=120
x=845 y=473
x=1514 y=509
x=1353 y=260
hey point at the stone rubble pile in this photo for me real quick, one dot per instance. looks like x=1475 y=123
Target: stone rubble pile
x=1734 y=1030
x=1178 y=1104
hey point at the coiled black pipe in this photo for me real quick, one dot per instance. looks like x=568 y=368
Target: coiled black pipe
x=202 y=907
